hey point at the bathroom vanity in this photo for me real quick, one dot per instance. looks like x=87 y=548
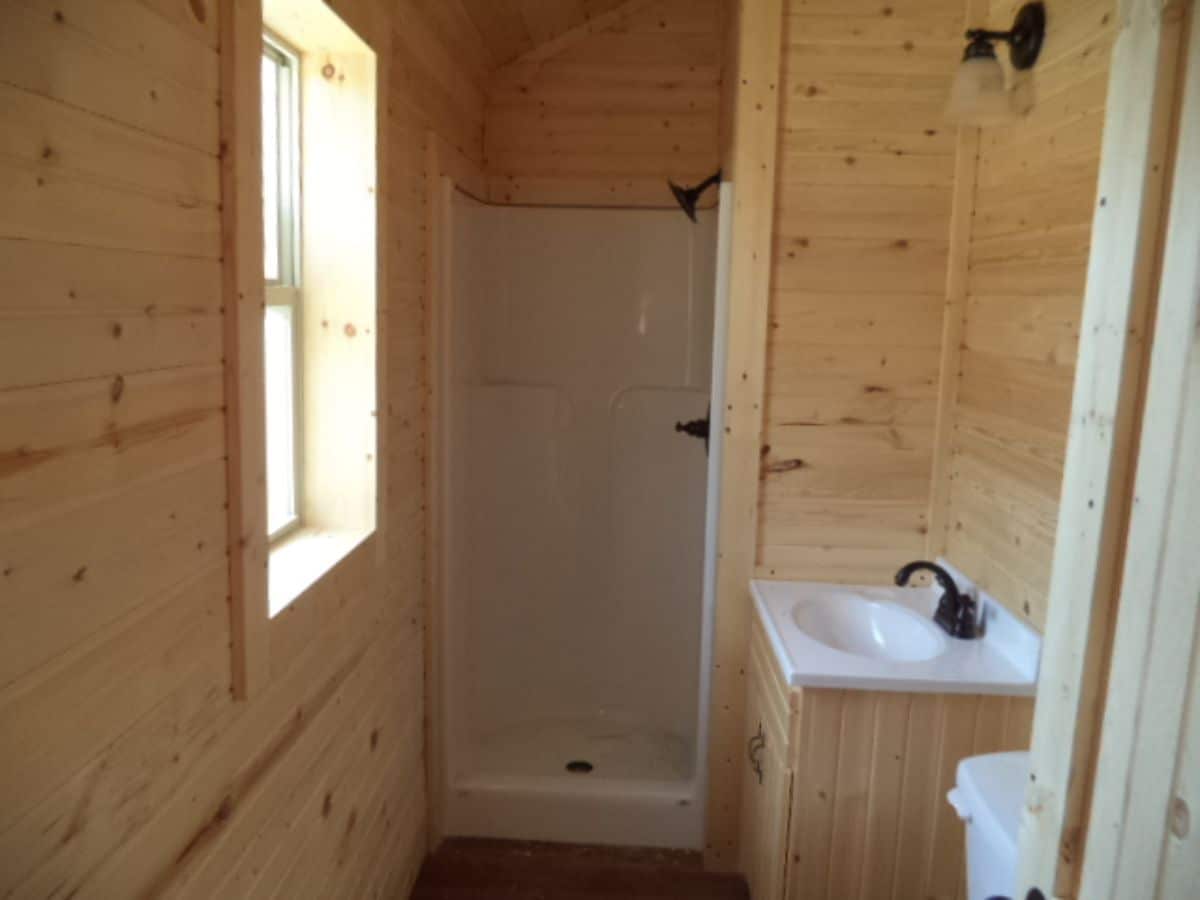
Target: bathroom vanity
x=858 y=710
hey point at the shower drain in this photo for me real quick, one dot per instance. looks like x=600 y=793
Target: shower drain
x=579 y=767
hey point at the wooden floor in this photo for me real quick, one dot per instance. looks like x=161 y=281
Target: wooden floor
x=477 y=869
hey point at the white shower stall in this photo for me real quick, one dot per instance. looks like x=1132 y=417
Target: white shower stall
x=573 y=523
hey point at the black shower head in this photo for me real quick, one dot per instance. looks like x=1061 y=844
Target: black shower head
x=687 y=198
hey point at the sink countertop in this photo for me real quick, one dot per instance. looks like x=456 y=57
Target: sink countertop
x=1004 y=661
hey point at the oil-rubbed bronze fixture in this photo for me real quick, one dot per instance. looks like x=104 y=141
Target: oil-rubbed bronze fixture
x=957 y=612
x=697 y=428
x=1024 y=39
x=979 y=95
x=687 y=198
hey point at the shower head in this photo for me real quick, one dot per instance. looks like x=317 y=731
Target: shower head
x=687 y=198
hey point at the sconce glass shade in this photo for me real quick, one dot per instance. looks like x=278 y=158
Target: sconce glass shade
x=978 y=95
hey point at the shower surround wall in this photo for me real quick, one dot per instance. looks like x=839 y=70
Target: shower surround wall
x=575 y=527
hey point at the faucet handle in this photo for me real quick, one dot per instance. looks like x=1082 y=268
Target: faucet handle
x=968 y=625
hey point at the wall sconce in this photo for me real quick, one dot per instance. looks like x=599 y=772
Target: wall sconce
x=979 y=95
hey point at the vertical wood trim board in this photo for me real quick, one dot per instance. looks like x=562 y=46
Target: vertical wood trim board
x=382 y=46
x=949 y=371
x=728 y=36
x=437 y=280
x=753 y=172
x=241 y=235
x=1097 y=474
x=1139 y=839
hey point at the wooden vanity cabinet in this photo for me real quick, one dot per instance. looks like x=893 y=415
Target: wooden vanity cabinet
x=851 y=800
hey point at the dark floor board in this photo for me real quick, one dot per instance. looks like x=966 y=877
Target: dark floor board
x=478 y=869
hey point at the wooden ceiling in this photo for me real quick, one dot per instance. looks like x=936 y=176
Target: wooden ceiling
x=510 y=28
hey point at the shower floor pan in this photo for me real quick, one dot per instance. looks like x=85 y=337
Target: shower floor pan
x=581 y=780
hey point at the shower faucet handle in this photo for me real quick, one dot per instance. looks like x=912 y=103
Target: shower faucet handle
x=697 y=428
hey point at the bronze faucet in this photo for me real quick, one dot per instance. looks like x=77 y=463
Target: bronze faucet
x=956 y=611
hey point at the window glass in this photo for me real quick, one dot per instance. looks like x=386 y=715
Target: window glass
x=281 y=326
x=279 y=333
x=271 y=174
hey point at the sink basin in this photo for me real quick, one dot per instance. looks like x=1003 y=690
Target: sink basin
x=873 y=629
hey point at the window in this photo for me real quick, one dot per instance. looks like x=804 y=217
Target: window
x=281 y=268
x=306 y=396
x=320 y=335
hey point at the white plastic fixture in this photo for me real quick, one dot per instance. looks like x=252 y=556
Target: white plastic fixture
x=575 y=627
x=869 y=628
x=987 y=797
x=883 y=638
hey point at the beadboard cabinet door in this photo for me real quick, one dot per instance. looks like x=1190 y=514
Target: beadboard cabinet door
x=767 y=777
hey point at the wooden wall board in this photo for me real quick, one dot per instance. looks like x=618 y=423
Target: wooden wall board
x=112 y=73
x=339 y=251
x=56 y=279
x=107 y=432
x=128 y=768
x=513 y=28
x=605 y=118
x=866 y=183
x=55 y=606
x=1026 y=260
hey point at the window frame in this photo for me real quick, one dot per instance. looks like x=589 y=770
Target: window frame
x=344 y=241
x=287 y=61
x=286 y=290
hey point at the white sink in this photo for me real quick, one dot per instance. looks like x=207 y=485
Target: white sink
x=874 y=629
x=882 y=638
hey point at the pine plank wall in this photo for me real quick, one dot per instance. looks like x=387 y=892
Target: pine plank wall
x=1031 y=228
x=926 y=291
x=605 y=119
x=867 y=174
x=127 y=769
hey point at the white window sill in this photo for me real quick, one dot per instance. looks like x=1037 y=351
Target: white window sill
x=298 y=561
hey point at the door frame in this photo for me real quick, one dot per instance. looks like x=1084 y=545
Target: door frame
x=1119 y=306
x=1140 y=842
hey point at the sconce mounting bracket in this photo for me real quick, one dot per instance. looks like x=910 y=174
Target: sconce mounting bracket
x=1024 y=40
